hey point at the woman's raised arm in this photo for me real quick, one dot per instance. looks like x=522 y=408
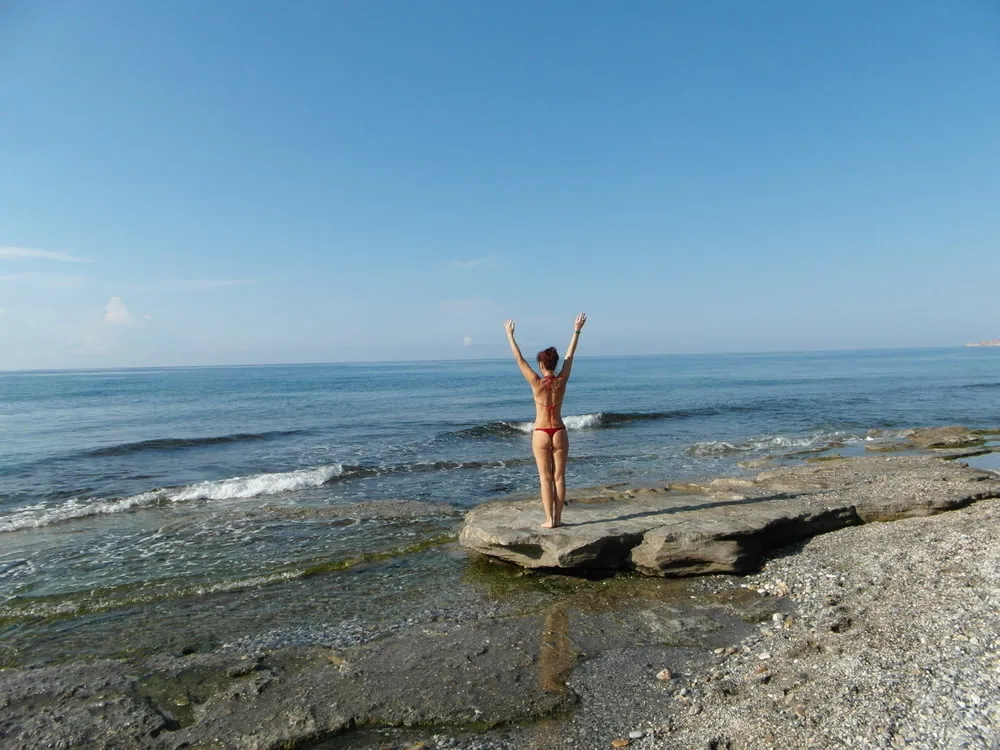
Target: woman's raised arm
x=526 y=370
x=571 y=349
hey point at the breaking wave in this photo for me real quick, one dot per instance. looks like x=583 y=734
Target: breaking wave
x=495 y=429
x=235 y=488
x=590 y=421
x=37 y=516
x=165 y=444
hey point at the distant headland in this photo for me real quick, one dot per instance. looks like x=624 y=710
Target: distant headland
x=991 y=342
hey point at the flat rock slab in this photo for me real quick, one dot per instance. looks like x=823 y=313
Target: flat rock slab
x=478 y=676
x=726 y=525
x=932 y=438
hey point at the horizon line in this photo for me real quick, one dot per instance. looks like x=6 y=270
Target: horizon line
x=30 y=370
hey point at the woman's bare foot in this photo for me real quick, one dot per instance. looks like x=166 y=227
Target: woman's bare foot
x=548 y=525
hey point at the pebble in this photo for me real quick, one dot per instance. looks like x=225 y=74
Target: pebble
x=664 y=675
x=761 y=675
x=635 y=734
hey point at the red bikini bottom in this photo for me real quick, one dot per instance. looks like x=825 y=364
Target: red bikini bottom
x=550 y=431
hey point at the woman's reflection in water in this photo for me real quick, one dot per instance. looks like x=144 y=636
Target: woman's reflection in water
x=555 y=655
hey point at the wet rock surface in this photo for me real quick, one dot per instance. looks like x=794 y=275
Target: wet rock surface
x=477 y=675
x=726 y=525
x=80 y=705
x=459 y=678
x=953 y=437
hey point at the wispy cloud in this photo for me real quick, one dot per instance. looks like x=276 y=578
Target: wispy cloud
x=27 y=253
x=466 y=265
x=199 y=283
x=44 y=279
x=116 y=313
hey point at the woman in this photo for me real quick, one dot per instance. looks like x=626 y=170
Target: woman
x=549 y=441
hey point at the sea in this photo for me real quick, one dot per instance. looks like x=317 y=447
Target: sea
x=194 y=508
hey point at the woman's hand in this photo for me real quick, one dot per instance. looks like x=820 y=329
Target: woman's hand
x=509 y=327
x=580 y=320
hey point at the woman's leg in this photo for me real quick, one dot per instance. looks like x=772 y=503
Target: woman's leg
x=552 y=470
x=560 y=452
x=541 y=446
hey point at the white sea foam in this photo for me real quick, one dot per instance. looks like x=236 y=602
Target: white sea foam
x=255 y=486
x=573 y=422
x=247 y=583
x=582 y=421
x=37 y=516
x=770 y=443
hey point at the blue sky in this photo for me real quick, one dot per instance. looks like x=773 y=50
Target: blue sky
x=250 y=182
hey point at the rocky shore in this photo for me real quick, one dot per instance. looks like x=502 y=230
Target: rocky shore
x=875 y=635
x=885 y=635
x=891 y=638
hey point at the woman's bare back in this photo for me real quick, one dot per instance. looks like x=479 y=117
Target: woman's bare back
x=548 y=393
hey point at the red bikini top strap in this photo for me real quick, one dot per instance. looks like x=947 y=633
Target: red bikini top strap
x=547 y=382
